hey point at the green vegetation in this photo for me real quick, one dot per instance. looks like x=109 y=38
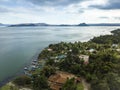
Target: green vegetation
x=101 y=70
x=22 y=81
x=40 y=83
x=69 y=85
x=80 y=86
x=48 y=71
x=108 y=39
x=8 y=87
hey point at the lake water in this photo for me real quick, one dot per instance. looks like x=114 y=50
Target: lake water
x=19 y=44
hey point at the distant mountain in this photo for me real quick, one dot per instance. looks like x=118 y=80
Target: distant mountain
x=44 y=24
x=100 y=24
x=82 y=24
x=105 y=24
x=1 y=24
x=29 y=24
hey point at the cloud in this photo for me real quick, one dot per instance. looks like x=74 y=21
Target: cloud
x=59 y=11
x=110 y=5
x=54 y=2
x=20 y=6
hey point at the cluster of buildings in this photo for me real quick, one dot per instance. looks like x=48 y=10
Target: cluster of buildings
x=57 y=80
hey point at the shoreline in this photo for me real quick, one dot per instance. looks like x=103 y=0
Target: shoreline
x=21 y=71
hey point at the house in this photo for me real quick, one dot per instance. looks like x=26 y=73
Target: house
x=85 y=58
x=57 y=80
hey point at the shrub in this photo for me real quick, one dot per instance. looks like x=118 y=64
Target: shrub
x=22 y=80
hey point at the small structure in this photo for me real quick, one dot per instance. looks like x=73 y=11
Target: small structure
x=118 y=50
x=85 y=58
x=49 y=49
x=62 y=51
x=27 y=73
x=35 y=60
x=61 y=56
x=56 y=61
x=58 y=80
x=34 y=63
x=66 y=53
x=70 y=50
x=114 y=45
x=52 y=57
x=91 y=50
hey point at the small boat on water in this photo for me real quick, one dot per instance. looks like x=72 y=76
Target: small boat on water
x=33 y=63
x=25 y=68
x=35 y=60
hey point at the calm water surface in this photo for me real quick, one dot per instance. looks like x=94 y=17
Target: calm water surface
x=19 y=44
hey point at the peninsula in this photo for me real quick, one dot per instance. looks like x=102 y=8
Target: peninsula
x=92 y=65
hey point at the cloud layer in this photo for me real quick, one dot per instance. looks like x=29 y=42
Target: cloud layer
x=59 y=11
x=54 y=2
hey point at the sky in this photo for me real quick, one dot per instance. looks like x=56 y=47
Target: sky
x=59 y=11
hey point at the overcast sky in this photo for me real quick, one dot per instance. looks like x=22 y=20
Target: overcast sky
x=59 y=11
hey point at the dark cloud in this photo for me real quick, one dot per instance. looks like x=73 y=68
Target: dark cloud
x=54 y=2
x=111 y=4
x=58 y=4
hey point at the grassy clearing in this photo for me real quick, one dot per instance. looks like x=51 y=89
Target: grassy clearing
x=80 y=86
